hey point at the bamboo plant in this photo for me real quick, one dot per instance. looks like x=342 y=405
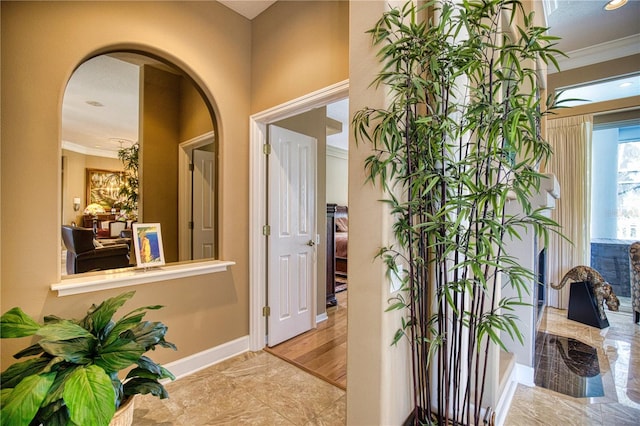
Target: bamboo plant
x=458 y=141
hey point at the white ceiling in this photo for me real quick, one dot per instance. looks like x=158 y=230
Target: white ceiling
x=589 y=34
x=248 y=8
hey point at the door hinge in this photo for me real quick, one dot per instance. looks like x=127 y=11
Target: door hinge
x=266 y=311
x=266 y=230
x=190 y=225
x=266 y=149
x=191 y=167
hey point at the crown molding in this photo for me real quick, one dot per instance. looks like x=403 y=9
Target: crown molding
x=334 y=151
x=603 y=52
x=81 y=149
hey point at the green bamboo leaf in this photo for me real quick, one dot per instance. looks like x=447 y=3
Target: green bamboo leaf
x=20 y=406
x=90 y=396
x=15 y=323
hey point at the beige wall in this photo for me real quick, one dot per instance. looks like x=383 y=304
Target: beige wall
x=42 y=43
x=160 y=128
x=195 y=117
x=211 y=44
x=298 y=47
x=377 y=373
x=337 y=176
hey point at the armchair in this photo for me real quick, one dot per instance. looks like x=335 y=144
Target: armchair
x=84 y=256
x=634 y=264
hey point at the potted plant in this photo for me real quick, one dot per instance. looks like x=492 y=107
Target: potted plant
x=130 y=183
x=72 y=375
x=458 y=141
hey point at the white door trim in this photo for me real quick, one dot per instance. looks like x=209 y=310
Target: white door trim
x=257 y=197
x=184 y=190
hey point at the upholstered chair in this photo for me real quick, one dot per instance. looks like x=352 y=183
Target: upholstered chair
x=84 y=254
x=634 y=263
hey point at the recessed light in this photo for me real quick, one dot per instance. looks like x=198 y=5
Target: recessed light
x=95 y=103
x=614 y=4
x=626 y=84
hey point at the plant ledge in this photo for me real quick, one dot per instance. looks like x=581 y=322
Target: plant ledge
x=116 y=278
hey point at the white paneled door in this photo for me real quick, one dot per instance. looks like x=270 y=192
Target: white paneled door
x=203 y=204
x=292 y=240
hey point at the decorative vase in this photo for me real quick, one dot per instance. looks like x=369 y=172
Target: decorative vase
x=124 y=414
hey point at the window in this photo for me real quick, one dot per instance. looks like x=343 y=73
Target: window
x=615 y=210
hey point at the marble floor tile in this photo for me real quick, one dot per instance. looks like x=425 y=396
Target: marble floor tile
x=250 y=389
x=261 y=389
x=618 y=350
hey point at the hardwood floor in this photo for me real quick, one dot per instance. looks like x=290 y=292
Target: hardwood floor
x=323 y=350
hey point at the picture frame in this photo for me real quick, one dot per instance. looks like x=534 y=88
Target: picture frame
x=103 y=187
x=147 y=242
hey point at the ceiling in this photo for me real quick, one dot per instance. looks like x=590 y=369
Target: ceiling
x=589 y=34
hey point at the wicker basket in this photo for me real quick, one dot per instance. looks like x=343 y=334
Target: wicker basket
x=124 y=414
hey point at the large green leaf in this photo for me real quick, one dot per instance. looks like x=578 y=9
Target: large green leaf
x=89 y=396
x=122 y=325
x=97 y=319
x=18 y=371
x=147 y=334
x=141 y=385
x=77 y=351
x=32 y=350
x=63 y=330
x=15 y=323
x=119 y=355
x=21 y=405
x=150 y=370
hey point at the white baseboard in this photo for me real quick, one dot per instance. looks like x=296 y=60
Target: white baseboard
x=504 y=401
x=201 y=360
x=322 y=317
x=525 y=375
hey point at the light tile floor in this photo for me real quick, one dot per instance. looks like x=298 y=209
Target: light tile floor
x=260 y=389
x=618 y=349
x=250 y=389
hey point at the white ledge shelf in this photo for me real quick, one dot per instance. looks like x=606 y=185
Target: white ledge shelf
x=116 y=278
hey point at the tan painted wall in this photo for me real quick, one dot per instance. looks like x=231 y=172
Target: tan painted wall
x=160 y=128
x=42 y=43
x=337 y=177
x=298 y=47
x=213 y=45
x=195 y=117
x=377 y=373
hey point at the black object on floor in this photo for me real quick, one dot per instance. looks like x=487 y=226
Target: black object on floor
x=583 y=306
x=567 y=366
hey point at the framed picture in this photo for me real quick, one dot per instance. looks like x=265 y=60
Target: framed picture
x=103 y=187
x=147 y=241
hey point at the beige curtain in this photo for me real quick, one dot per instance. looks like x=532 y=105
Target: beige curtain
x=570 y=139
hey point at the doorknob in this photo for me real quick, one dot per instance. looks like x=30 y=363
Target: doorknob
x=311 y=243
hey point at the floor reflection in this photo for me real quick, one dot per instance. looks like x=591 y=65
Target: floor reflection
x=568 y=366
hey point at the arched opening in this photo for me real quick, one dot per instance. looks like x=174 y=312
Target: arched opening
x=128 y=105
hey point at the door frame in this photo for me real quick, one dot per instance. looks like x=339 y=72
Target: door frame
x=258 y=198
x=184 y=190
